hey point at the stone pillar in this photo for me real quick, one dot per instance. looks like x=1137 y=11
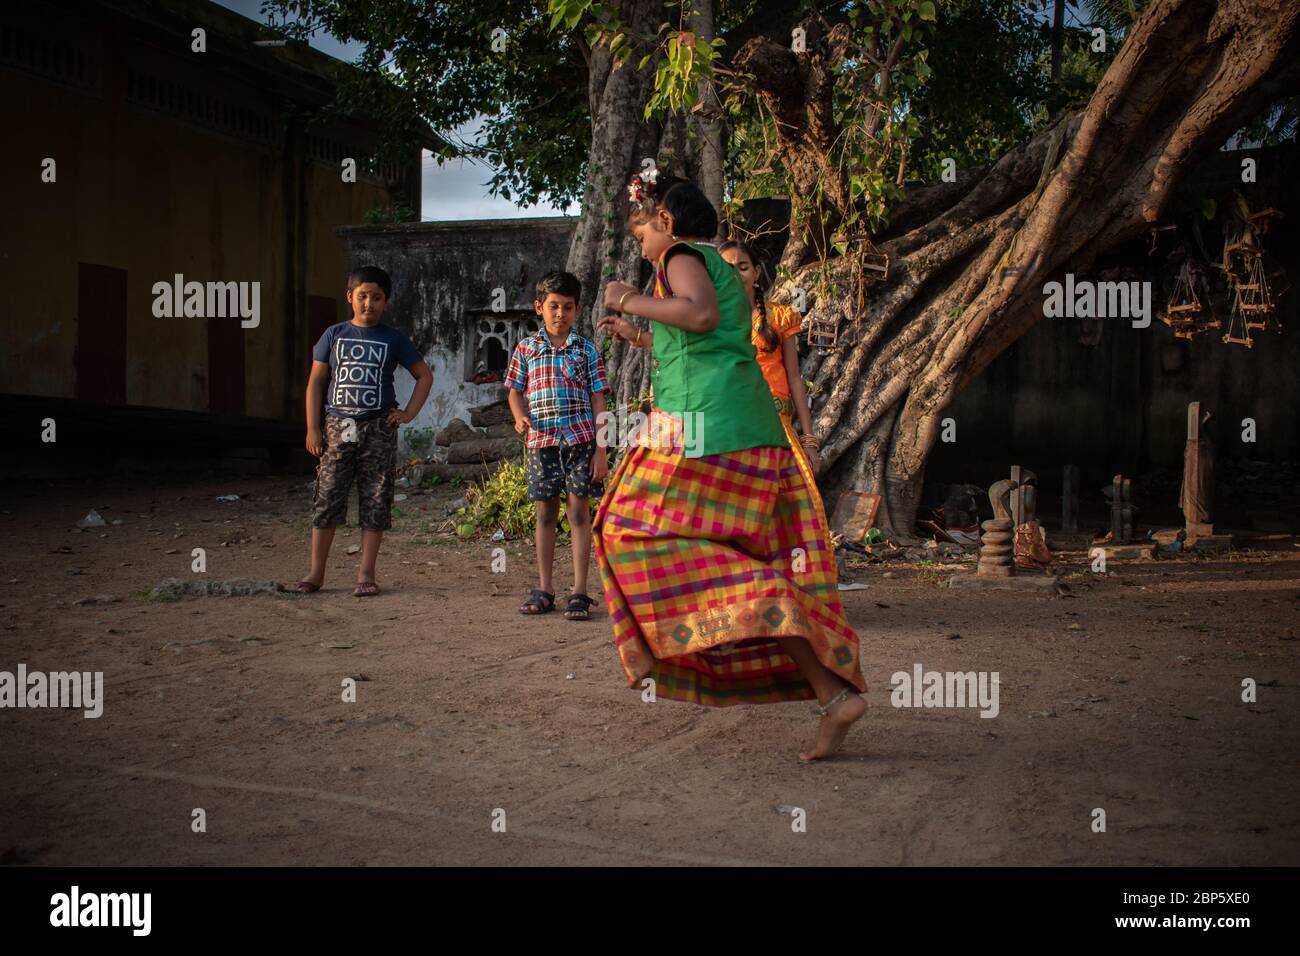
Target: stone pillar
x=1123 y=515
x=1070 y=499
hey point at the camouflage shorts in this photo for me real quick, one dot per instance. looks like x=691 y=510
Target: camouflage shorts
x=370 y=460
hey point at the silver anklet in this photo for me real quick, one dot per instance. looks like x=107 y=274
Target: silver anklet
x=842 y=695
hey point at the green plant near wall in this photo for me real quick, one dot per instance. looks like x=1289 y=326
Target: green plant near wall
x=501 y=501
x=398 y=212
x=418 y=440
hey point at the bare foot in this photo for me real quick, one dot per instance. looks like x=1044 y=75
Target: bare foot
x=835 y=726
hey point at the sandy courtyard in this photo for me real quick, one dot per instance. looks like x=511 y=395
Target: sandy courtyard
x=1123 y=695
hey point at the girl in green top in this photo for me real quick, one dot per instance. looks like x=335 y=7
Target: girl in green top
x=718 y=575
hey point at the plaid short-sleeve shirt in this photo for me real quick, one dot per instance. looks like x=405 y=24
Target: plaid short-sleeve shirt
x=558 y=384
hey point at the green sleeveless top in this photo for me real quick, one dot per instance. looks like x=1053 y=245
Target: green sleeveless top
x=714 y=376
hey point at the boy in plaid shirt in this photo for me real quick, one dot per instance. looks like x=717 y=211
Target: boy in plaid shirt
x=557 y=384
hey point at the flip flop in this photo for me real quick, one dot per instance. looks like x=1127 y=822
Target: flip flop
x=366 y=589
x=305 y=587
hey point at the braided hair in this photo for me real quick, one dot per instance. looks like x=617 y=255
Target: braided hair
x=766 y=334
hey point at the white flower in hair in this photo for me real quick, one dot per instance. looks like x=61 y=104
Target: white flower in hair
x=642 y=186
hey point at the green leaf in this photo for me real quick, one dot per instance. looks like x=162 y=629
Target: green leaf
x=926 y=11
x=1208 y=208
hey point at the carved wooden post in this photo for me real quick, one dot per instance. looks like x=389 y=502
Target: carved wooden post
x=1196 y=499
x=1117 y=510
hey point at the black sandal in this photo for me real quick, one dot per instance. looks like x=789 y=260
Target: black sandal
x=539 y=602
x=576 y=609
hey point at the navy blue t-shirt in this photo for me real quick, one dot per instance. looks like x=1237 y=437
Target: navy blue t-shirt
x=361 y=361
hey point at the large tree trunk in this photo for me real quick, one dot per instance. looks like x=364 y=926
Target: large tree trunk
x=602 y=249
x=967 y=274
x=707 y=148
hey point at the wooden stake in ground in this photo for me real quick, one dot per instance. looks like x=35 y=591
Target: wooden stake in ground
x=1196 y=498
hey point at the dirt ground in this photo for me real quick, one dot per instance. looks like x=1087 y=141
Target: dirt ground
x=1123 y=695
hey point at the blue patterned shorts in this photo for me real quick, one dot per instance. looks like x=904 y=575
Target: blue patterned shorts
x=555 y=469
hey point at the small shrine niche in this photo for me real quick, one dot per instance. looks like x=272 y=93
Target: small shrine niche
x=493 y=336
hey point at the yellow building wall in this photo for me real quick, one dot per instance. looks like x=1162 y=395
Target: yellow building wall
x=140 y=192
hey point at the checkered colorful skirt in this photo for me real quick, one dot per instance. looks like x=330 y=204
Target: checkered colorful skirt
x=706 y=560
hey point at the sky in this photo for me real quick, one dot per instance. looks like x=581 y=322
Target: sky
x=454 y=190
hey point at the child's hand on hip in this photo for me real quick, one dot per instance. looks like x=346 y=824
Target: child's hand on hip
x=315 y=442
x=398 y=416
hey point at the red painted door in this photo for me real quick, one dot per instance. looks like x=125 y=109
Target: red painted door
x=101 y=333
x=226 y=365
x=322 y=312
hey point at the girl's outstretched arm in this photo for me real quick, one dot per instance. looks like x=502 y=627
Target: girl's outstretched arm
x=693 y=306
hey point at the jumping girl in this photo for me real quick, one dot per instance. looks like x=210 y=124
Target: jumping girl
x=718 y=576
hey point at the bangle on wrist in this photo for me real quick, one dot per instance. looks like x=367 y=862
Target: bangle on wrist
x=637 y=341
x=624 y=298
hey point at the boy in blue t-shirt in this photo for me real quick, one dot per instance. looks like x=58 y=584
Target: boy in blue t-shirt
x=352 y=379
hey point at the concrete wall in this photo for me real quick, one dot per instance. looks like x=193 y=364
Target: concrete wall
x=444 y=274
